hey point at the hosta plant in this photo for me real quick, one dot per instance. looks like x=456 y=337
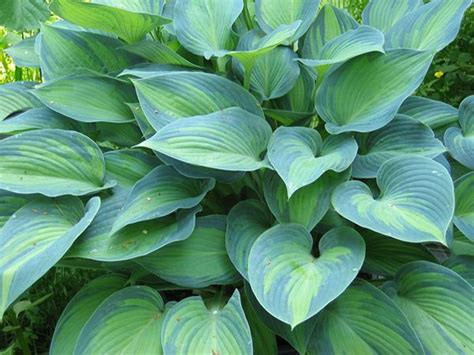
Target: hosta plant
x=248 y=175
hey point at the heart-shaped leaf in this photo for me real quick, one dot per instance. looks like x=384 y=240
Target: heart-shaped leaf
x=438 y=303
x=199 y=261
x=232 y=139
x=300 y=157
x=460 y=142
x=51 y=162
x=384 y=14
x=350 y=44
x=204 y=27
x=416 y=201
x=293 y=285
x=430 y=27
x=191 y=327
x=169 y=96
x=129 y=322
x=464 y=212
x=273 y=13
x=160 y=193
x=308 y=205
x=402 y=136
x=88 y=98
x=35 y=238
x=130 y=24
x=245 y=222
x=16 y=97
x=364 y=93
x=80 y=309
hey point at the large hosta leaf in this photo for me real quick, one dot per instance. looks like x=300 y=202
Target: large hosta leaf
x=169 y=96
x=404 y=135
x=364 y=93
x=16 y=97
x=273 y=13
x=329 y=24
x=363 y=320
x=35 y=238
x=430 y=27
x=23 y=15
x=383 y=14
x=416 y=201
x=464 y=212
x=131 y=26
x=293 y=285
x=300 y=157
x=88 y=98
x=51 y=162
x=204 y=27
x=350 y=44
x=9 y=204
x=192 y=328
x=232 y=139
x=385 y=256
x=462 y=265
x=67 y=52
x=460 y=142
x=79 y=310
x=23 y=53
x=127 y=322
x=199 y=261
x=308 y=205
x=438 y=303
x=245 y=222
x=432 y=113
x=160 y=193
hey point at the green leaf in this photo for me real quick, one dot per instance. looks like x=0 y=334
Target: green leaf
x=23 y=15
x=157 y=52
x=364 y=93
x=273 y=13
x=51 y=162
x=192 y=328
x=35 y=238
x=402 y=136
x=363 y=320
x=293 y=285
x=231 y=139
x=432 y=113
x=160 y=193
x=23 y=53
x=350 y=44
x=9 y=204
x=300 y=157
x=169 y=96
x=132 y=26
x=330 y=23
x=127 y=322
x=462 y=265
x=384 y=14
x=197 y=262
x=462 y=245
x=245 y=222
x=416 y=201
x=36 y=118
x=204 y=27
x=67 y=52
x=460 y=142
x=438 y=303
x=430 y=27
x=385 y=256
x=80 y=309
x=308 y=205
x=88 y=98
x=464 y=212
x=16 y=97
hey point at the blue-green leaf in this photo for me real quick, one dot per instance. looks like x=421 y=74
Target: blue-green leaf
x=464 y=212
x=16 y=97
x=23 y=53
x=292 y=284
x=415 y=204
x=384 y=14
x=434 y=114
x=23 y=15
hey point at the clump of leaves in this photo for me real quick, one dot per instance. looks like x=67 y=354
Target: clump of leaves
x=241 y=172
